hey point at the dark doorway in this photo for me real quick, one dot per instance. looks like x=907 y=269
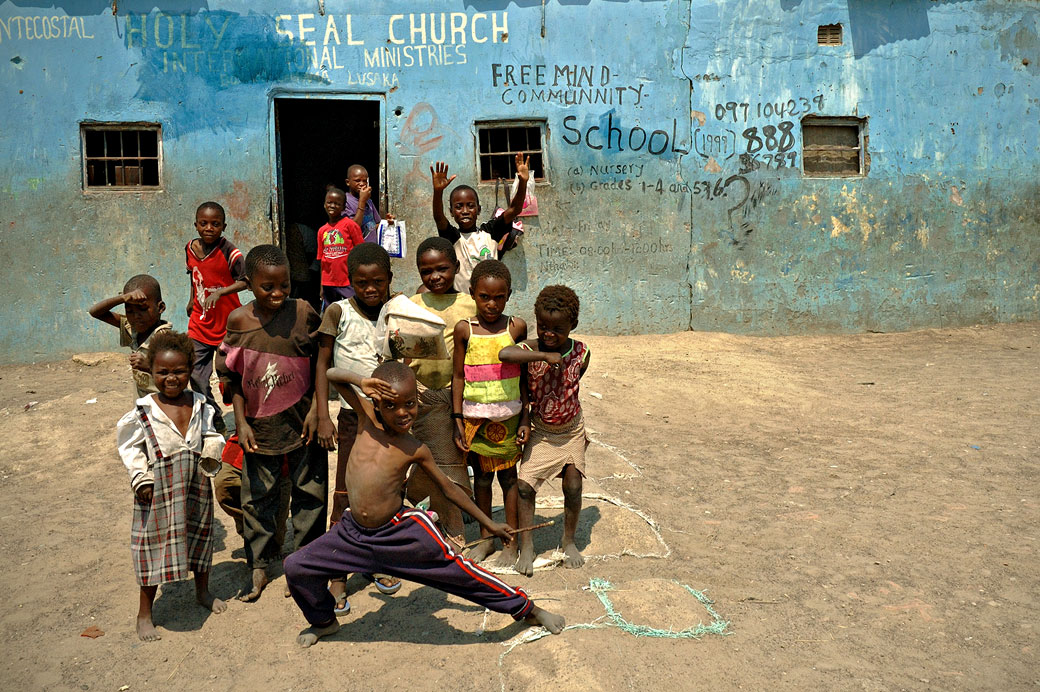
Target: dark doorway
x=318 y=139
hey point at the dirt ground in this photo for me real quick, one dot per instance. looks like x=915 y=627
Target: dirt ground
x=863 y=510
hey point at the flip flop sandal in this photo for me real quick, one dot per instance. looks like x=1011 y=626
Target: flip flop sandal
x=343 y=609
x=386 y=589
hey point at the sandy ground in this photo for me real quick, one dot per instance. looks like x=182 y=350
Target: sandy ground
x=862 y=509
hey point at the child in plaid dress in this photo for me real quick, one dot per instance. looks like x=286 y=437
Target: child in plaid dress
x=169 y=446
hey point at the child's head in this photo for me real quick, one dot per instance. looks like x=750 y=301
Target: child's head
x=464 y=206
x=397 y=413
x=357 y=177
x=368 y=266
x=209 y=222
x=438 y=264
x=170 y=358
x=267 y=276
x=490 y=285
x=143 y=315
x=335 y=200
x=556 y=314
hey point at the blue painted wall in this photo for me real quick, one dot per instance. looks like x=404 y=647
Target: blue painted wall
x=653 y=209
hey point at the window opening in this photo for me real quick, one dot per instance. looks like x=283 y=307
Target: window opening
x=498 y=144
x=123 y=156
x=829 y=35
x=834 y=147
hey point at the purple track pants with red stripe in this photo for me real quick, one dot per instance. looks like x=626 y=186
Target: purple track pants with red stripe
x=410 y=547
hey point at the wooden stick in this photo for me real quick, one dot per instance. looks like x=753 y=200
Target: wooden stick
x=513 y=531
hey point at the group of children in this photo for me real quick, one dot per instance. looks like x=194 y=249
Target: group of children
x=409 y=429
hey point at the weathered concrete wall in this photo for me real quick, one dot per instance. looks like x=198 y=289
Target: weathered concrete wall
x=653 y=210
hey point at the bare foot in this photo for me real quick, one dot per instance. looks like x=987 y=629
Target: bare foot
x=259 y=582
x=508 y=556
x=210 y=602
x=146 y=631
x=553 y=623
x=574 y=558
x=311 y=635
x=480 y=551
x=525 y=565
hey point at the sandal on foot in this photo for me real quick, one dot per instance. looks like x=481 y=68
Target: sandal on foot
x=342 y=606
x=387 y=585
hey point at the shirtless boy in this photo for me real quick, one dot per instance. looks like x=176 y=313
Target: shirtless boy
x=379 y=534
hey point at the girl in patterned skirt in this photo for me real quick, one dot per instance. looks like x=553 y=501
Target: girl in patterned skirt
x=169 y=446
x=488 y=402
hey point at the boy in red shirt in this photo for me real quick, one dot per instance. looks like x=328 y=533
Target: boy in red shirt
x=217 y=271
x=335 y=241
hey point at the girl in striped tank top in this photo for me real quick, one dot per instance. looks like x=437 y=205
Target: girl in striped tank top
x=489 y=402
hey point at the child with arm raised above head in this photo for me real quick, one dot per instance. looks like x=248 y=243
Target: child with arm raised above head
x=473 y=243
x=489 y=403
x=142 y=300
x=379 y=534
x=554 y=365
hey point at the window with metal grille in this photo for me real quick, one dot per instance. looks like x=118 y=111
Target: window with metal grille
x=123 y=156
x=499 y=142
x=834 y=147
x=829 y=35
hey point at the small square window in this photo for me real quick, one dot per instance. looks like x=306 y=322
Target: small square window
x=834 y=147
x=829 y=35
x=499 y=142
x=121 y=156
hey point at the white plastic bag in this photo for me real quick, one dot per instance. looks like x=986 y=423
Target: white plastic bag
x=393 y=238
x=410 y=331
x=530 y=201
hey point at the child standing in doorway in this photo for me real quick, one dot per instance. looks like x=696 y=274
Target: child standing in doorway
x=555 y=364
x=335 y=241
x=359 y=204
x=488 y=402
x=164 y=443
x=217 y=272
x=473 y=243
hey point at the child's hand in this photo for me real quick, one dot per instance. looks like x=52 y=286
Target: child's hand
x=211 y=300
x=144 y=493
x=138 y=362
x=523 y=431
x=135 y=296
x=522 y=170
x=376 y=389
x=310 y=426
x=246 y=439
x=503 y=531
x=460 y=437
x=327 y=433
x=553 y=358
x=440 y=177
x=364 y=194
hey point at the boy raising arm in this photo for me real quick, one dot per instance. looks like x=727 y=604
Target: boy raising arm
x=377 y=533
